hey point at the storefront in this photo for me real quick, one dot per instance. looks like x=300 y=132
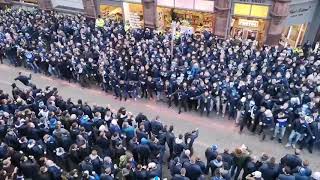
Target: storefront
x=192 y=15
x=250 y=19
x=298 y=21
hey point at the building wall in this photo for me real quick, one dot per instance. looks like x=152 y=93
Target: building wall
x=76 y=4
x=314 y=27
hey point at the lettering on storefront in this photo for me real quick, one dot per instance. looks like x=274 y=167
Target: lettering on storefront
x=254 y=1
x=248 y=23
x=265 y=2
x=299 y=11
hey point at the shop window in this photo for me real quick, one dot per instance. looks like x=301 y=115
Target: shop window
x=112 y=12
x=293 y=35
x=259 y=11
x=242 y=9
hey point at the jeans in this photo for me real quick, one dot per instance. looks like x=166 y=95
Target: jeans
x=12 y=60
x=279 y=130
x=238 y=116
x=217 y=104
x=294 y=137
x=34 y=67
x=224 y=108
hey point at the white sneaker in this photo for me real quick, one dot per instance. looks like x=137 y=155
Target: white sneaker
x=293 y=146
x=288 y=145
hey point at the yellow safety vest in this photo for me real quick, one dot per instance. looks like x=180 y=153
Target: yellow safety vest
x=99 y=22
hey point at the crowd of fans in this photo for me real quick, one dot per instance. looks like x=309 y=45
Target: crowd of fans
x=263 y=88
x=47 y=138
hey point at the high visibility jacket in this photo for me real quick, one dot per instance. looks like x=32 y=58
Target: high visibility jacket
x=99 y=22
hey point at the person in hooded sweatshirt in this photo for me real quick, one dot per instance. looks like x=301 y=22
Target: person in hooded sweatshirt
x=215 y=164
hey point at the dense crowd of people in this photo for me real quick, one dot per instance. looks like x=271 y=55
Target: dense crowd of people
x=262 y=88
x=46 y=137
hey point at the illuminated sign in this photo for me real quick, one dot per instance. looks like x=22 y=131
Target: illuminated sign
x=184 y=4
x=204 y=5
x=248 y=23
x=168 y=3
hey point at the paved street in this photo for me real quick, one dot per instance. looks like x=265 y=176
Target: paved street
x=213 y=130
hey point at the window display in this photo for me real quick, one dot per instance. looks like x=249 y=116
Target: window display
x=293 y=35
x=112 y=12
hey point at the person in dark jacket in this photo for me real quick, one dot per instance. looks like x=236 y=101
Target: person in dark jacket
x=249 y=167
x=286 y=174
x=215 y=164
x=270 y=170
x=211 y=153
x=178 y=146
x=141 y=172
x=144 y=152
x=29 y=167
x=193 y=170
x=227 y=159
x=181 y=176
x=24 y=79
x=291 y=160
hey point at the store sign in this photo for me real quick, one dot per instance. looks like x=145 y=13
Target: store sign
x=301 y=13
x=265 y=2
x=204 y=5
x=134 y=1
x=167 y=3
x=248 y=23
x=184 y=4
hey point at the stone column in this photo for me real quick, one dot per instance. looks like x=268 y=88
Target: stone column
x=150 y=13
x=221 y=10
x=90 y=8
x=278 y=14
x=45 y=5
